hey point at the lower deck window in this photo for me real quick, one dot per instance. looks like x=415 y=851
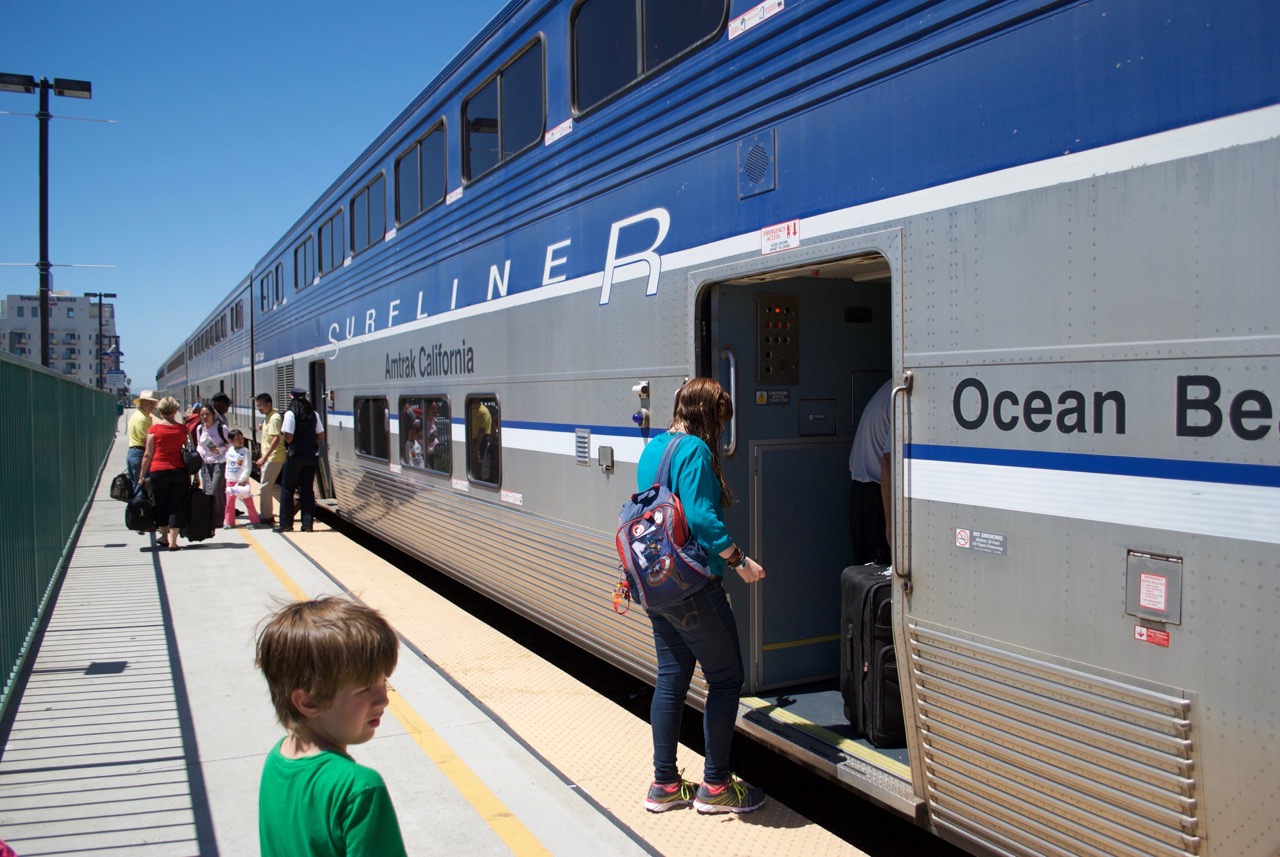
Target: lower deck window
x=484 y=439
x=373 y=435
x=425 y=434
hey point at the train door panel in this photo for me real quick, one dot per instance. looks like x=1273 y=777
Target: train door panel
x=320 y=399
x=797 y=350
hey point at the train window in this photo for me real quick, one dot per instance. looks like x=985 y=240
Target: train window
x=372 y=431
x=278 y=283
x=484 y=439
x=605 y=43
x=425 y=434
x=329 y=243
x=304 y=267
x=506 y=115
x=369 y=214
x=264 y=292
x=421 y=176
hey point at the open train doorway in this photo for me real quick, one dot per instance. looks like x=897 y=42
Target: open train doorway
x=801 y=350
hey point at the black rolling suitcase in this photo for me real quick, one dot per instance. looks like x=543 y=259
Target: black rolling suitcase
x=868 y=666
x=199 y=516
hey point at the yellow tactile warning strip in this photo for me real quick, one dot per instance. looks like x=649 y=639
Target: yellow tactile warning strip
x=487 y=805
x=604 y=750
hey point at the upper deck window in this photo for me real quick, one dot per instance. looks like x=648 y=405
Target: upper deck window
x=617 y=42
x=506 y=115
x=369 y=214
x=304 y=266
x=421 y=176
x=329 y=243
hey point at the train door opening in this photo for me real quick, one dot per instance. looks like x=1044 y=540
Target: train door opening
x=319 y=388
x=801 y=351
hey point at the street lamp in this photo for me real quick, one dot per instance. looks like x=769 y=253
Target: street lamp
x=71 y=89
x=101 y=366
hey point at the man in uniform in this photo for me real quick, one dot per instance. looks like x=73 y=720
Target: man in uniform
x=303 y=431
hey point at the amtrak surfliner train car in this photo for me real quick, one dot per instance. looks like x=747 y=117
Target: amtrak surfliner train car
x=1052 y=225
x=216 y=358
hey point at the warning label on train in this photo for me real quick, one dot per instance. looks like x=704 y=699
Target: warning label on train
x=982 y=542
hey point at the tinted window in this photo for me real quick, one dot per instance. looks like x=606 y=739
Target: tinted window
x=408 y=187
x=329 y=238
x=369 y=215
x=372 y=435
x=484 y=440
x=482 y=130
x=506 y=116
x=420 y=176
x=434 y=176
x=606 y=34
x=359 y=222
x=304 y=269
x=604 y=49
x=521 y=124
x=673 y=26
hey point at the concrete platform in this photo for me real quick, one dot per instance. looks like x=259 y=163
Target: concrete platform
x=144 y=725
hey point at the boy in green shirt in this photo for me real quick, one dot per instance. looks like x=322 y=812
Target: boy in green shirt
x=326 y=663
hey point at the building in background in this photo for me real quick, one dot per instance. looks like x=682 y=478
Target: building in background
x=74 y=349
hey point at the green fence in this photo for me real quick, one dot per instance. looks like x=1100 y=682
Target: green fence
x=55 y=434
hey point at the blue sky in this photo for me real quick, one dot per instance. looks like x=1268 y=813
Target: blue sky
x=230 y=119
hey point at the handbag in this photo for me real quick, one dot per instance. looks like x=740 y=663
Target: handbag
x=122 y=488
x=191 y=457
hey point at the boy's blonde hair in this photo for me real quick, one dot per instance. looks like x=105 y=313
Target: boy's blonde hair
x=323 y=646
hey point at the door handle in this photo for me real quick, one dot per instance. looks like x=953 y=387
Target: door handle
x=726 y=353
x=897 y=497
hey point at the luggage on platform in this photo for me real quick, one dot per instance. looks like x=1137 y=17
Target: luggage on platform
x=200 y=516
x=868 y=665
x=140 y=514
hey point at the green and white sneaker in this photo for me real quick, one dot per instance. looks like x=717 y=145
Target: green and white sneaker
x=664 y=797
x=733 y=796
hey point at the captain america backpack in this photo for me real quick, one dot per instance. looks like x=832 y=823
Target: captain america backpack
x=660 y=561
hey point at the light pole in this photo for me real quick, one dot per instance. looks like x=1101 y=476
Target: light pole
x=71 y=89
x=101 y=366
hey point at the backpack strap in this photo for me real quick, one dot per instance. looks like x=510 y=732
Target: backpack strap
x=664 y=467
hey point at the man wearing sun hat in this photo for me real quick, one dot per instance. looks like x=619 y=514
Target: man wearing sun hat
x=139 y=423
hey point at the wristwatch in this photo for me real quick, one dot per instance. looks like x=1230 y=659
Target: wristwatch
x=742 y=560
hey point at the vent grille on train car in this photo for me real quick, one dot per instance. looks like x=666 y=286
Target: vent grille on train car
x=582 y=446
x=1030 y=757
x=284 y=383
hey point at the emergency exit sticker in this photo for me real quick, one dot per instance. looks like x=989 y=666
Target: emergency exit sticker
x=1151 y=635
x=782 y=236
x=1153 y=592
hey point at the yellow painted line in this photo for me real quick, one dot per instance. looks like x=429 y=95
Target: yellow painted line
x=495 y=813
x=853 y=748
x=491 y=808
x=295 y=591
x=795 y=644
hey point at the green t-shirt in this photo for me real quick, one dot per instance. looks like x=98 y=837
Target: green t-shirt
x=324 y=805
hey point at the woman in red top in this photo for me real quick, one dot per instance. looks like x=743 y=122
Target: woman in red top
x=162 y=462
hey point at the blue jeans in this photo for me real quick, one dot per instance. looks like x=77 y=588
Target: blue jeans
x=698 y=629
x=132 y=465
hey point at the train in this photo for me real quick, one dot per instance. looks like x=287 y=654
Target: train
x=1051 y=225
